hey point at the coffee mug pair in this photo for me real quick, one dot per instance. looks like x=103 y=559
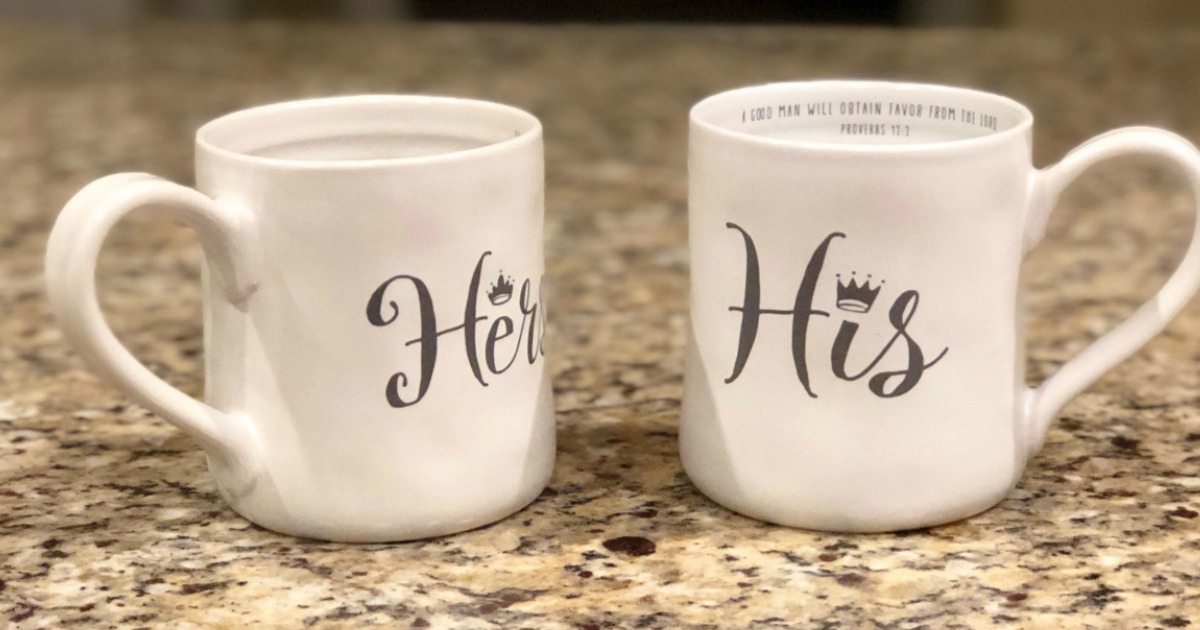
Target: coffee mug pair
x=374 y=325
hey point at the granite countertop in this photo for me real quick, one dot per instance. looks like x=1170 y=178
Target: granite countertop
x=108 y=518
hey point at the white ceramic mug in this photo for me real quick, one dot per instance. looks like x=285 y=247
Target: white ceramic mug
x=856 y=359
x=373 y=323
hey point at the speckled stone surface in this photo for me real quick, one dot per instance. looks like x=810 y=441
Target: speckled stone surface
x=107 y=517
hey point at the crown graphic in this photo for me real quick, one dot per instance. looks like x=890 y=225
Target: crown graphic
x=501 y=290
x=855 y=297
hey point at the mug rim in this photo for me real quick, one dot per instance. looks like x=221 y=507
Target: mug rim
x=531 y=131
x=699 y=118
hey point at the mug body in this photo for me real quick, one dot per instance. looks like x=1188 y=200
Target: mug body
x=855 y=349
x=391 y=355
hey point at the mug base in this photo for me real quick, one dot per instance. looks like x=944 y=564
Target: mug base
x=405 y=533
x=276 y=517
x=851 y=521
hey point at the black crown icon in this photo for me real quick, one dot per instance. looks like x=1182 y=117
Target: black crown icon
x=501 y=290
x=855 y=297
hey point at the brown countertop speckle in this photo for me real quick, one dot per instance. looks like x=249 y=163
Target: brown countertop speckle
x=108 y=519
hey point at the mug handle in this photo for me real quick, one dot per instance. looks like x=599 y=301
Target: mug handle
x=1042 y=404
x=223 y=230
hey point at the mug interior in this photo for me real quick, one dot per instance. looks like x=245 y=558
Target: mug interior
x=354 y=129
x=860 y=113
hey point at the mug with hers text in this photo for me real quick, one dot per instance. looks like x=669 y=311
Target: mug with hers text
x=373 y=319
x=856 y=358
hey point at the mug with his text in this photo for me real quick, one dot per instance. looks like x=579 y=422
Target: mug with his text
x=373 y=317
x=856 y=359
